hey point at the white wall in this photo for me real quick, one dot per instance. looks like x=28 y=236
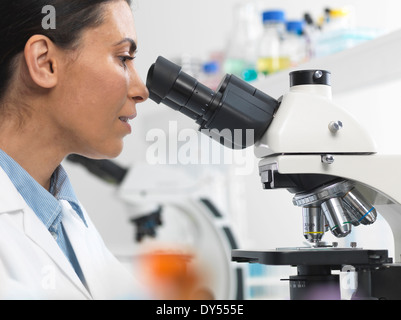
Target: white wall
x=173 y=27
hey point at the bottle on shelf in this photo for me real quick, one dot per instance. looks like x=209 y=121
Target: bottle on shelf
x=210 y=74
x=270 y=55
x=338 y=32
x=241 y=51
x=311 y=33
x=294 y=43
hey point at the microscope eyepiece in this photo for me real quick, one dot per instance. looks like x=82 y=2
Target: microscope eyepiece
x=226 y=114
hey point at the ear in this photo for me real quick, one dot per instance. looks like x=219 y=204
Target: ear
x=40 y=57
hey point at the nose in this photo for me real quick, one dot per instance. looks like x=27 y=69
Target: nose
x=138 y=91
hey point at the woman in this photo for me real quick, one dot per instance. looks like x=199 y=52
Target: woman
x=68 y=84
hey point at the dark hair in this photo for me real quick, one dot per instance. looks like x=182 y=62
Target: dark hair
x=21 y=19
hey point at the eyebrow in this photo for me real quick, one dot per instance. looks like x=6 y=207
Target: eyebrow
x=133 y=46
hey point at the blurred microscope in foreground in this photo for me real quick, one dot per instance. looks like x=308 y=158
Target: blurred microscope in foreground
x=317 y=151
x=182 y=238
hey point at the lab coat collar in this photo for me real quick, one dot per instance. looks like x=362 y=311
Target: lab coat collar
x=10 y=199
x=75 y=230
x=37 y=232
x=12 y=202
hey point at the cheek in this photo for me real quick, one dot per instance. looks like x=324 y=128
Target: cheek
x=100 y=91
x=92 y=99
x=107 y=85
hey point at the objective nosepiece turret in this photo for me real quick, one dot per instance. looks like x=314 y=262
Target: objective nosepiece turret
x=339 y=205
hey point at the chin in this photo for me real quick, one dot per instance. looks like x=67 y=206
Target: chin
x=104 y=153
x=112 y=154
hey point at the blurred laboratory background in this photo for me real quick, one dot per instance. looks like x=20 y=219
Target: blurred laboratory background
x=205 y=207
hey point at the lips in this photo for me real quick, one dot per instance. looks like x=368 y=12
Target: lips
x=124 y=119
x=127 y=118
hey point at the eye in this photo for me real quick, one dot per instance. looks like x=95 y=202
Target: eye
x=124 y=60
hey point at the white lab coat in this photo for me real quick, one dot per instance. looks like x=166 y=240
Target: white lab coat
x=32 y=266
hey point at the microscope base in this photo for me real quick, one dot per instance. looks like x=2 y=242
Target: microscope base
x=376 y=275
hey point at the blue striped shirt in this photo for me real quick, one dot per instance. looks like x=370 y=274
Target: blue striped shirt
x=45 y=203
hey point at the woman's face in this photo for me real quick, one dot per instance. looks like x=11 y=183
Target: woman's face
x=96 y=95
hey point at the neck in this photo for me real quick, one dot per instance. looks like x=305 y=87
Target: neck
x=33 y=147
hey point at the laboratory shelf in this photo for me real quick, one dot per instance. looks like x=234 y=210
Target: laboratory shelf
x=371 y=63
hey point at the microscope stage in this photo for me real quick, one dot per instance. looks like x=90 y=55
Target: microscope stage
x=334 y=257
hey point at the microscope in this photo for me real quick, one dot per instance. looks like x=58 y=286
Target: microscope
x=317 y=151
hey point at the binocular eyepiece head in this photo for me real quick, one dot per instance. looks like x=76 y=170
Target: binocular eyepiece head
x=226 y=115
